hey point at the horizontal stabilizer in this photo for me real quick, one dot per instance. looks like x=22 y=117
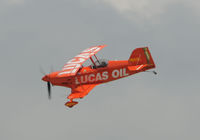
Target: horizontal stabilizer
x=136 y=68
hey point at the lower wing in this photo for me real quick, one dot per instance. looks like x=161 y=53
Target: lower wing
x=81 y=91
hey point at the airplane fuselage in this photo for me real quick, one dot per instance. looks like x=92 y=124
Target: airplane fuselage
x=86 y=75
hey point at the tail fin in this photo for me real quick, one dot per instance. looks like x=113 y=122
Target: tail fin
x=141 y=56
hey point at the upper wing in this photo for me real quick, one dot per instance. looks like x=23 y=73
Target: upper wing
x=72 y=66
x=81 y=91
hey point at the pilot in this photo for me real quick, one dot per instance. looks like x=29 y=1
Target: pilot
x=100 y=64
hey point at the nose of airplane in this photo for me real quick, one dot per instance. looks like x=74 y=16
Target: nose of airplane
x=50 y=77
x=45 y=78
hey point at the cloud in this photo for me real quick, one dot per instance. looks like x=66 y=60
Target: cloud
x=145 y=9
x=142 y=8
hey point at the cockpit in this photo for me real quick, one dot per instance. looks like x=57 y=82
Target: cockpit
x=99 y=64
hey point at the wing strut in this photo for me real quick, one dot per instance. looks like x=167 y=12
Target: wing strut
x=92 y=61
x=96 y=58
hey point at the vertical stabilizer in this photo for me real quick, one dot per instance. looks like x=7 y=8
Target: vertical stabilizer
x=141 y=56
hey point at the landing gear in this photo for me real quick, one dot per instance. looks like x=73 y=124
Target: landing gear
x=154 y=72
x=71 y=103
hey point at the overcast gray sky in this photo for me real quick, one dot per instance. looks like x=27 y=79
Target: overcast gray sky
x=48 y=33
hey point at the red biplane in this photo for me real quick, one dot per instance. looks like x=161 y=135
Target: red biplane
x=82 y=79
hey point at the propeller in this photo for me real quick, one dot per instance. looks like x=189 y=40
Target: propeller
x=49 y=89
x=46 y=78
